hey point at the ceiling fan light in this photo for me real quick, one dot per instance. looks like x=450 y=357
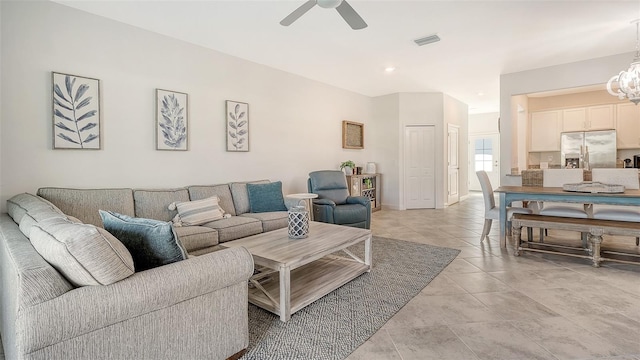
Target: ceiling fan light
x=328 y=4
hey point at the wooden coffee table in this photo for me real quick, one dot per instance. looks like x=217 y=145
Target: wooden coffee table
x=296 y=272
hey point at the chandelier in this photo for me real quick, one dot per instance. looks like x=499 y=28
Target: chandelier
x=627 y=83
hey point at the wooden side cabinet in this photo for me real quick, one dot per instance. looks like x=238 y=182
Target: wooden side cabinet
x=367 y=185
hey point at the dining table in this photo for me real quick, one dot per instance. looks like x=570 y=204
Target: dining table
x=509 y=194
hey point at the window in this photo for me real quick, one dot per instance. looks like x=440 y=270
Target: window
x=483 y=155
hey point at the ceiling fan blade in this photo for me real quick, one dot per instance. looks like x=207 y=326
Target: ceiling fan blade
x=297 y=13
x=351 y=16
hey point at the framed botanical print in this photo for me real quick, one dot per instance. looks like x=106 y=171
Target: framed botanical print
x=172 y=120
x=237 y=126
x=76 y=112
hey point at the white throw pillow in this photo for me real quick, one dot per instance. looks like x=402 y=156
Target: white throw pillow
x=197 y=212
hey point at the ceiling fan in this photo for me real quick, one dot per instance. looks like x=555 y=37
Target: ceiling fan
x=344 y=9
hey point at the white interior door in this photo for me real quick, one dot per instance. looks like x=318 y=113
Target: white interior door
x=453 y=168
x=419 y=166
x=484 y=154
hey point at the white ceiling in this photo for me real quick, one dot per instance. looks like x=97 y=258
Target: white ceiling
x=480 y=39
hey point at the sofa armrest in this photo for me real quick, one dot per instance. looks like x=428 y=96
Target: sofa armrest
x=323 y=210
x=362 y=200
x=88 y=308
x=326 y=202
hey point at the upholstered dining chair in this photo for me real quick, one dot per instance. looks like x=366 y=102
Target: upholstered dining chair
x=557 y=178
x=626 y=177
x=334 y=205
x=491 y=211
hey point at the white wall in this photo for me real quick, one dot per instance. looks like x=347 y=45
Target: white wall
x=481 y=124
x=386 y=136
x=520 y=124
x=391 y=114
x=295 y=123
x=582 y=73
x=1 y=82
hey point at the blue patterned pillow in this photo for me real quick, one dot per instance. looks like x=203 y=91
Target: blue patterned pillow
x=152 y=243
x=266 y=197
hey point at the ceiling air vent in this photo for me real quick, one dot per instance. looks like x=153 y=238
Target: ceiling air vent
x=427 y=40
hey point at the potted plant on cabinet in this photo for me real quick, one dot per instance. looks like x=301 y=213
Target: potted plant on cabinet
x=348 y=167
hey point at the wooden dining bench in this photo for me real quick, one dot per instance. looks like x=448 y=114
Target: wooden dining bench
x=594 y=227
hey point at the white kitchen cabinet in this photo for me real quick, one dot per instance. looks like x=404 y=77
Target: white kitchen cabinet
x=574 y=119
x=628 y=126
x=544 y=131
x=600 y=117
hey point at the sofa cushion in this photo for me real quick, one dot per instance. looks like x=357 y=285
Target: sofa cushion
x=154 y=204
x=235 y=227
x=241 y=195
x=85 y=203
x=197 y=212
x=222 y=191
x=152 y=243
x=35 y=280
x=19 y=205
x=266 y=197
x=270 y=220
x=196 y=237
x=82 y=253
x=33 y=217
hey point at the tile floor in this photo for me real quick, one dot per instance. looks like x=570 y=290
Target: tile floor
x=488 y=304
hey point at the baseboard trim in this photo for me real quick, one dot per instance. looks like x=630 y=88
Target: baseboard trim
x=389 y=207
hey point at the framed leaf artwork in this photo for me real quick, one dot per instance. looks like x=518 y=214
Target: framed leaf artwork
x=172 y=120
x=237 y=126
x=76 y=112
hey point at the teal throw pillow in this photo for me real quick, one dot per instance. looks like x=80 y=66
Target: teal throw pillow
x=152 y=243
x=266 y=197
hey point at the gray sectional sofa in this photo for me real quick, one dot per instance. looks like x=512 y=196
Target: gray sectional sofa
x=153 y=204
x=191 y=309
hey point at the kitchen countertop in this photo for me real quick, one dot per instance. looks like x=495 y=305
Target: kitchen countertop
x=533 y=177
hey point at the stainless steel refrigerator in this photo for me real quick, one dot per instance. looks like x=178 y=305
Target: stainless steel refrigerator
x=588 y=149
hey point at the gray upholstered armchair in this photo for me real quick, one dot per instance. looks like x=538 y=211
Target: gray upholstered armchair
x=334 y=205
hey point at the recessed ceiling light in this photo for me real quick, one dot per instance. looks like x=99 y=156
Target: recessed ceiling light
x=389 y=69
x=480 y=94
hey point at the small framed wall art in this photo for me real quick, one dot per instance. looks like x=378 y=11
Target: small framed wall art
x=76 y=112
x=352 y=135
x=172 y=120
x=237 y=126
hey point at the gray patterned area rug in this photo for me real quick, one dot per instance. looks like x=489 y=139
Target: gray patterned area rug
x=335 y=325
